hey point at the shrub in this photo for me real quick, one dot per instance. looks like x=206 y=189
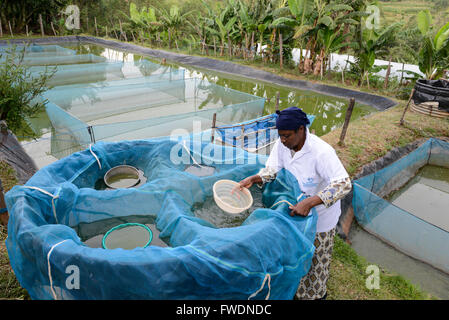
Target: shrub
x=20 y=91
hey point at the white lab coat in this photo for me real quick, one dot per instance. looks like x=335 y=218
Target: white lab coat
x=315 y=166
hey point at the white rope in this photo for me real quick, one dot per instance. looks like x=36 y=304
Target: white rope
x=53 y=198
x=98 y=160
x=280 y=202
x=267 y=277
x=297 y=199
x=49 y=268
x=193 y=159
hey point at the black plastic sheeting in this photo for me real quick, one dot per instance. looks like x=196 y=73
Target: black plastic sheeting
x=432 y=90
x=378 y=102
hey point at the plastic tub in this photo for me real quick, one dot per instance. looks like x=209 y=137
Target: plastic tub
x=122 y=176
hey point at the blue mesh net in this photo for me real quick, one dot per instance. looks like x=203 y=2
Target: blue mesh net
x=411 y=233
x=202 y=261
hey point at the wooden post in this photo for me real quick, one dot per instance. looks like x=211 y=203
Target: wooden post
x=10 y=29
x=281 y=61
x=245 y=51
x=96 y=27
x=229 y=46
x=87 y=24
x=42 y=25
x=1 y=29
x=252 y=46
x=134 y=38
x=401 y=122
x=277 y=100
x=26 y=28
x=115 y=32
x=121 y=30
x=402 y=74
x=214 y=121
x=106 y=31
x=4 y=216
x=347 y=118
x=53 y=28
x=215 y=47
x=387 y=76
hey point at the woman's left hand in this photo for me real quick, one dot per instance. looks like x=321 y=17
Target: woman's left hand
x=303 y=207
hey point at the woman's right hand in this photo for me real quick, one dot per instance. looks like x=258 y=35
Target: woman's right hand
x=248 y=182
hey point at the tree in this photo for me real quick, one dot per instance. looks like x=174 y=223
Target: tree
x=20 y=92
x=373 y=42
x=433 y=57
x=172 y=21
x=301 y=10
x=225 y=28
x=26 y=12
x=144 y=19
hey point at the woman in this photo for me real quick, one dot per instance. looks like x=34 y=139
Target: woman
x=322 y=178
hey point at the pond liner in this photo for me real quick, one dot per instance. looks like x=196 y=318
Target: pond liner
x=263 y=258
x=378 y=102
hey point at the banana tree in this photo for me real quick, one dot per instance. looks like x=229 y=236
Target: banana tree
x=301 y=10
x=373 y=43
x=145 y=19
x=285 y=26
x=172 y=21
x=433 y=57
x=225 y=29
x=330 y=37
x=330 y=41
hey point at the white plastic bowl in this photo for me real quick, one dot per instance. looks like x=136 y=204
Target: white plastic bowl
x=232 y=202
x=130 y=177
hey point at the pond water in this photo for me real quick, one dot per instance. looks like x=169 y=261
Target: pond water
x=380 y=253
x=209 y=211
x=329 y=111
x=91 y=234
x=425 y=196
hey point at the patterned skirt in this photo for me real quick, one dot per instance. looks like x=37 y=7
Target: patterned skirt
x=313 y=284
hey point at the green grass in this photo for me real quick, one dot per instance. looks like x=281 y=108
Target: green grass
x=9 y=286
x=407 y=11
x=348 y=277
